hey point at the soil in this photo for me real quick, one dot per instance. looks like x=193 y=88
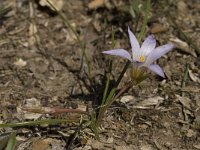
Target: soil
x=43 y=65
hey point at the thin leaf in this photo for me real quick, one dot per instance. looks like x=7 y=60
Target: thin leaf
x=147 y=9
x=11 y=142
x=109 y=71
x=38 y=122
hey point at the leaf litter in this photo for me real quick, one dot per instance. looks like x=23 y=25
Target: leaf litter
x=49 y=68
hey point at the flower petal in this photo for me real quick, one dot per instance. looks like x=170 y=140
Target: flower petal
x=119 y=52
x=134 y=42
x=156 y=69
x=148 y=45
x=158 y=52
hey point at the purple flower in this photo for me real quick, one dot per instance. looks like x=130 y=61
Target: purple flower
x=145 y=55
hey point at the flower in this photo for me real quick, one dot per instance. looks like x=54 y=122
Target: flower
x=145 y=55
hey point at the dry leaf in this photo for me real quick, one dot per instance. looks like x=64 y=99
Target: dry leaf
x=110 y=140
x=185 y=101
x=191 y=133
x=197 y=146
x=146 y=147
x=182 y=7
x=126 y=99
x=157 y=28
x=58 y=4
x=193 y=77
x=95 y=4
x=97 y=145
x=151 y=101
x=29 y=103
x=48 y=144
x=82 y=107
x=20 y=62
x=70 y=36
x=33 y=38
x=123 y=147
x=183 y=46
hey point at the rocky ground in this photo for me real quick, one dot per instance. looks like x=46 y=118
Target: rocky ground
x=43 y=66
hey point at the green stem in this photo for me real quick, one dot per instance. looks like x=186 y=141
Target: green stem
x=110 y=99
x=11 y=142
x=109 y=71
x=147 y=9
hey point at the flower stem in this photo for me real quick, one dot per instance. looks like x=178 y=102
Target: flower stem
x=110 y=98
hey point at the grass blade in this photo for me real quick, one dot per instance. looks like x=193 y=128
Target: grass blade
x=38 y=122
x=11 y=142
x=109 y=71
x=147 y=9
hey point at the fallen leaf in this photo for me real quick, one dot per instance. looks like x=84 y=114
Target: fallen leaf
x=95 y=4
x=97 y=145
x=123 y=147
x=151 y=101
x=193 y=77
x=182 y=7
x=146 y=147
x=110 y=140
x=191 y=133
x=47 y=144
x=58 y=4
x=157 y=28
x=82 y=107
x=20 y=62
x=29 y=103
x=32 y=32
x=70 y=36
x=126 y=99
x=197 y=146
x=182 y=45
x=185 y=101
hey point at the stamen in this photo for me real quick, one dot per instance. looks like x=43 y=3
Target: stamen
x=142 y=59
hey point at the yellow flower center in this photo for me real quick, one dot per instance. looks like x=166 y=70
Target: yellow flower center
x=142 y=59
